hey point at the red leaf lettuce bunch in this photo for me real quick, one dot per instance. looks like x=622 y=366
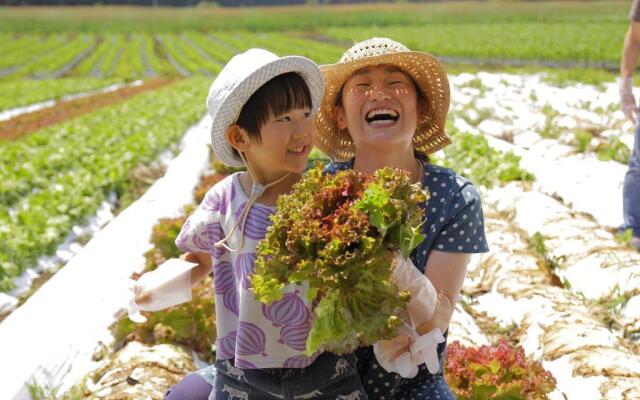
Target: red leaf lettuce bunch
x=338 y=232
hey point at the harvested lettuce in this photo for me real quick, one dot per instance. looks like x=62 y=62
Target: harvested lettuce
x=339 y=232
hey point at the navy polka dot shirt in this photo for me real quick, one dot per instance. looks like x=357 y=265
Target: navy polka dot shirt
x=453 y=213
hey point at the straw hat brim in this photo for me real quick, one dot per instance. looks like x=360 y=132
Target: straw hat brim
x=229 y=110
x=426 y=71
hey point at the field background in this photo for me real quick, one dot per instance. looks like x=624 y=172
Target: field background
x=94 y=103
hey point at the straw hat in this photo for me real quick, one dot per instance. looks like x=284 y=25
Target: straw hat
x=243 y=75
x=426 y=71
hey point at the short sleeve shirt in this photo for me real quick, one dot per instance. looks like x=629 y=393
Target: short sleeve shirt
x=634 y=14
x=255 y=335
x=453 y=214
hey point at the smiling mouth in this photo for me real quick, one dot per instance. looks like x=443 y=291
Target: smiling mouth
x=298 y=150
x=384 y=117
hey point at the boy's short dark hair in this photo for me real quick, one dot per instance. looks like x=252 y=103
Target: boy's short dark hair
x=283 y=93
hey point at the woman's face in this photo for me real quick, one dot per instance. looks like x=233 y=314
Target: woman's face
x=379 y=108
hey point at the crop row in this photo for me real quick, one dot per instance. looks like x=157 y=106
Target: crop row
x=23 y=92
x=57 y=177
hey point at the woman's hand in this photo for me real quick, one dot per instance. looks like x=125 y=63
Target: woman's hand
x=423 y=295
x=441 y=316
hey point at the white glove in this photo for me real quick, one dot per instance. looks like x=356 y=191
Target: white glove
x=164 y=287
x=627 y=100
x=404 y=353
x=423 y=295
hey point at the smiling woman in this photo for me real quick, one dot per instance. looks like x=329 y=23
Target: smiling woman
x=386 y=106
x=392 y=115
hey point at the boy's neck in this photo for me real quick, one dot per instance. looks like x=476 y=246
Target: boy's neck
x=271 y=194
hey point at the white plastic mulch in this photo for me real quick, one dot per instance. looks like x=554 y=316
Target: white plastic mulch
x=514 y=109
x=14 y=112
x=51 y=338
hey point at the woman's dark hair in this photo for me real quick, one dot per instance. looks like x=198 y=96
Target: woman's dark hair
x=281 y=94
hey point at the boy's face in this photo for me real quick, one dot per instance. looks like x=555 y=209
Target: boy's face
x=379 y=108
x=286 y=141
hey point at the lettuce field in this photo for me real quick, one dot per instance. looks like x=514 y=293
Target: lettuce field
x=104 y=150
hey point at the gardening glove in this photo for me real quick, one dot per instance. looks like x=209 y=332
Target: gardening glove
x=166 y=286
x=404 y=353
x=422 y=303
x=627 y=100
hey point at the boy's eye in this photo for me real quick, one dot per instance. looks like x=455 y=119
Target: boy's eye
x=307 y=114
x=286 y=118
x=395 y=82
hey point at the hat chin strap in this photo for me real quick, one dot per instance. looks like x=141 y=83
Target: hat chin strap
x=256 y=191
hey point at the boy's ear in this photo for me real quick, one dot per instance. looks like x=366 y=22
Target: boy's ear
x=340 y=116
x=237 y=137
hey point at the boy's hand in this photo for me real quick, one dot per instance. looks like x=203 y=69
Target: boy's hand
x=164 y=287
x=141 y=296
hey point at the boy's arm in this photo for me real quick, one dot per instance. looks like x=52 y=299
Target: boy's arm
x=198 y=273
x=203 y=269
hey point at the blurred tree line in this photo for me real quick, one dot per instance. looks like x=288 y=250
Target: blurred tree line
x=190 y=3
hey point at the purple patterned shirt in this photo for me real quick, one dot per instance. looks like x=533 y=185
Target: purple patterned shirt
x=254 y=334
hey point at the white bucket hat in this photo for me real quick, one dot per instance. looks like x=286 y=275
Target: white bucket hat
x=239 y=79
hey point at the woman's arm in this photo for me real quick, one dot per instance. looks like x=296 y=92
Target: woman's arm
x=446 y=271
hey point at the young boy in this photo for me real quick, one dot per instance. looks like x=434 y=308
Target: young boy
x=263 y=118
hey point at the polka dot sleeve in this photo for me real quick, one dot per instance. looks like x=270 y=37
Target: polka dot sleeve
x=463 y=229
x=202 y=229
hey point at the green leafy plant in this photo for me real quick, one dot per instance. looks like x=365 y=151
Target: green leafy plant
x=582 y=140
x=191 y=324
x=338 y=232
x=163 y=238
x=222 y=168
x=548 y=261
x=495 y=372
x=39 y=391
x=206 y=182
x=476 y=160
x=625 y=237
x=550 y=130
x=615 y=150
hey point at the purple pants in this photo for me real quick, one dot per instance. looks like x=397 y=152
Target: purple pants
x=191 y=387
